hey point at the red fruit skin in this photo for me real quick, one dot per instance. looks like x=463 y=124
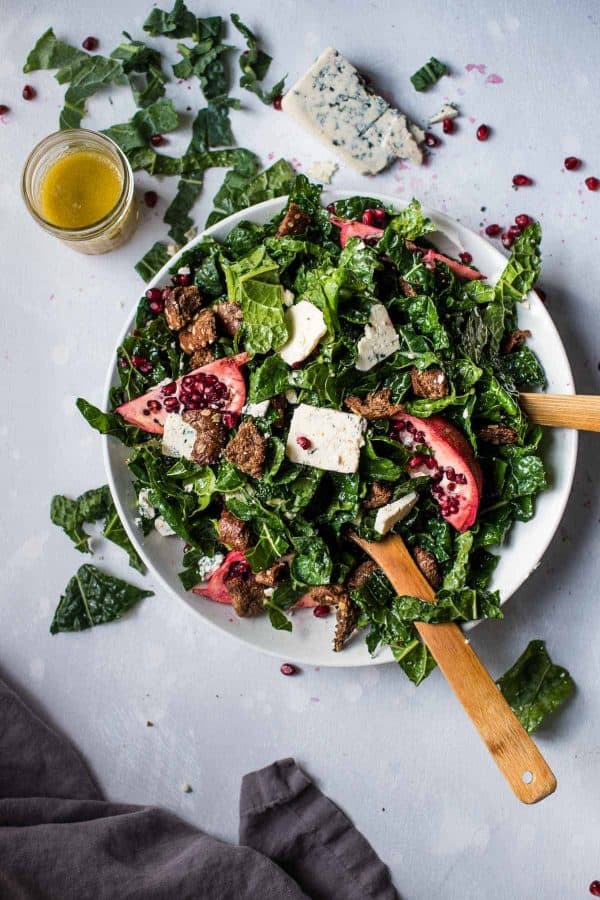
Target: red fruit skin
x=430 y=256
x=451 y=448
x=306 y=602
x=349 y=229
x=227 y=370
x=215 y=588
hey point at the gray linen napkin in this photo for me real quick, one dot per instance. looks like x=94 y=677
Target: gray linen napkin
x=60 y=840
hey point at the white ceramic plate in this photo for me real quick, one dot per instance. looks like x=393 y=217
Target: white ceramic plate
x=310 y=640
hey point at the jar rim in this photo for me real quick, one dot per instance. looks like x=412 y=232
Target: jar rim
x=84 y=232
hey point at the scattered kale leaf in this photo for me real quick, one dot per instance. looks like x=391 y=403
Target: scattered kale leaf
x=152 y=261
x=143 y=66
x=178 y=23
x=523 y=268
x=86 y=77
x=50 y=53
x=93 y=598
x=133 y=137
x=534 y=686
x=428 y=74
x=255 y=63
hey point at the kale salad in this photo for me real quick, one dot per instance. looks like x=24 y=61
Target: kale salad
x=327 y=373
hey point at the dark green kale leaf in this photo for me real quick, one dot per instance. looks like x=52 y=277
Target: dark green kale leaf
x=410 y=223
x=86 y=77
x=109 y=423
x=270 y=378
x=534 y=686
x=312 y=563
x=254 y=63
x=93 y=598
x=133 y=137
x=178 y=23
x=50 y=53
x=523 y=267
x=143 y=66
x=242 y=187
x=428 y=74
x=152 y=261
x=523 y=368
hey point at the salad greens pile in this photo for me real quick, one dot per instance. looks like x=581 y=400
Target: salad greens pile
x=444 y=321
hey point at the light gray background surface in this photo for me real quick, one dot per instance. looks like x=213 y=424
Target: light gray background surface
x=403 y=762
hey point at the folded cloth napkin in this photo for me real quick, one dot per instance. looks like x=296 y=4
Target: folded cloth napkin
x=60 y=840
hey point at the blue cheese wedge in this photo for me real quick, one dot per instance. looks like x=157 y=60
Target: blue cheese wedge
x=256 y=410
x=392 y=513
x=178 y=437
x=325 y=439
x=322 y=171
x=306 y=327
x=163 y=527
x=333 y=102
x=448 y=111
x=145 y=508
x=379 y=341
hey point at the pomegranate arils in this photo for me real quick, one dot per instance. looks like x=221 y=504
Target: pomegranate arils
x=522 y=180
x=448 y=126
x=229 y=419
x=493 y=230
x=523 y=220
x=277 y=102
x=417 y=460
x=142 y=364
x=169 y=388
x=572 y=163
x=592 y=183
x=238 y=570
x=151 y=199
x=507 y=239
x=183 y=280
x=483 y=132
x=157 y=140
x=154 y=294
x=90 y=43
x=331 y=209
x=171 y=404
x=321 y=611
x=4 y=109
x=288 y=669
x=515 y=231
x=303 y=442
x=431 y=140
x=154 y=405
x=595 y=888
x=465 y=258
x=29 y=92
x=374 y=217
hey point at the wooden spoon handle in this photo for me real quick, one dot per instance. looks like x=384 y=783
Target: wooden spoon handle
x=512 y=748
x=563 y=411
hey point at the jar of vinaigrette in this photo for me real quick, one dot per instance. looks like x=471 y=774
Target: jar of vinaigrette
x=78 y=185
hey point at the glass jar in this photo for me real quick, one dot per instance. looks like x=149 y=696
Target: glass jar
x=108 y=232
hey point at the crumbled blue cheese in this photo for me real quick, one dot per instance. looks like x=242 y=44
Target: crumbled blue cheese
x=333 y=102
x=448 y=111
x=306 y=327
x=178 y=437
x=333 y=439
x=379 y=341
x=292 y=397
x=288 y=297
x=392 y=513
x=163 y=527
x=146 y=509
x=322 y=171
x=209 y=564
x=256 y=410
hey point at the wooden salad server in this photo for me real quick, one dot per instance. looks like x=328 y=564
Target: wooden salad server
x=578 y=411
x=512 y=748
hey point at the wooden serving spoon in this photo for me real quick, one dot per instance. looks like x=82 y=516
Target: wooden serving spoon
x=513 y=750
x=563 y=411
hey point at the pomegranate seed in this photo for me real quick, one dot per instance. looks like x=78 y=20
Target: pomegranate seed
x=465 y=258
x=448 y=126
x=303 y=442
x=90 y=43
x=321 y=611
x=431 y=140
x=154 y=294
x=417 y=460
x=4 y=109
x=157 y=140
x=123 y=364
x=331 y=209
x=146 y=412
x=483 y=132
x=515 y=230
x=288 y=669
x=374 y=217
x=430 y=462
x=229 y=419
x=29 y=92
x=595 y=888
x=450 y=474
x=523 y=220
x=151 y=199
x=493 y=230
x=169 y=388
x=461 y=478
x=572 y=163
x=156 y=306
x=507 y=239
x=183 y=280
x=171 y=404
x=277 y=102
x=592 y=183
x=522 y=180
x=165 y=294
x=419 y=437
x=154 y=405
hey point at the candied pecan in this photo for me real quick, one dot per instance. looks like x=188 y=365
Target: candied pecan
x=233 y=532
x=295 y=221
x=427 y=563
x=247 y=450
x=432 y=383
x=359 y=575
x=498 y=434
x=210 y=435
x=272 y=576
x=199 y=333
x=229 y=316
x=181 y=306
x=278 y=405
x=201 y=358
x=325 y=594
x=377 y=405
x=514 y=340
x=378 y=495
x=346 y=618
x=407 y=288
x=246 y=596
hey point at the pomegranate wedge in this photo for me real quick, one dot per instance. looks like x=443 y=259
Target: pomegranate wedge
x=466 y=272
x=456 y=474
x=220 y=385
x=235 y=565
x=349 y=229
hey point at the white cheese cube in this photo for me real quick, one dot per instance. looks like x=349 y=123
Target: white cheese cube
x=331 y=439
x=394 y=512
x=332 y=101
x=256 y=410
x=163 y=527
x=322 y=171
x=288 y=297
x=178 y=437
x=146 y=509
x=380 y=339
x=306 y=327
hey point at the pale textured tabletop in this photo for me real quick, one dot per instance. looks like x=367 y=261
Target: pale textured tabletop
x=403 y=762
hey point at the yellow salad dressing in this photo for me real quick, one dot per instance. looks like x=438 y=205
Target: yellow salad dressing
x=79 y=188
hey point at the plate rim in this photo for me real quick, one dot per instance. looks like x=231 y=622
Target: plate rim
x=274 y=204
